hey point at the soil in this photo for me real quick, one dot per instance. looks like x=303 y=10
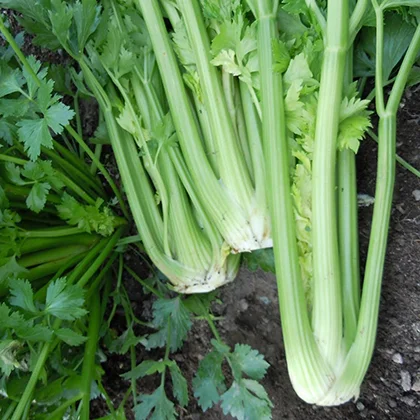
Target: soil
x=391 y=389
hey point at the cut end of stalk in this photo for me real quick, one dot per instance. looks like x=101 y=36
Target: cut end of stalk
x=257 y=235
x=214 y=278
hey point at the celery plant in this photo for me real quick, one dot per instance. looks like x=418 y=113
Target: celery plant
x=119 y=69
x=329 y=336
x=228 y=184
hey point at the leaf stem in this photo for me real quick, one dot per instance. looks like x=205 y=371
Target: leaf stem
x=60 y=411
x=89 y=354
x=9 y=410
x=18 y=52
x=50 y=255
x=398 y=158
x=51 y=232
x=27 y=393
x=104 y=172
x=144 y=284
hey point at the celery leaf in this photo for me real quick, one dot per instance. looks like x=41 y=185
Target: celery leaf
x=64 y=301
x=172 y=320
x=156 y=405
x=179 y=384
x=209 y=380
x=89 y=218
x=246 y=400
x=70 y=337
x=22 y=295
x=249 y=361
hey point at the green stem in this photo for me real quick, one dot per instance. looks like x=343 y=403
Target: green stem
x=60 y=411
x=9 y=38
x=348 y=243
x=51 y=255
x=79 y=177
x=78 y=119
x=9 y=410
x=27 y=393
x=104 y=172
x=327 y=322
x=403 y=73
x=76 y=189
x=95 y=284
x=38 y=244
x=58 y=232
x=357 y=18
x=42 y=271
x=359 y=357
x=228 y=216
x=108 y=401
x=348 y=383
x=97 y=152
x=73 y=158
x=47 y=347
x=379 y=80
x=318 y=14
x=89 y=355
x=213 y=329
x=398 y=158
x=66 y=264
x=82 y=267
x=6 y=158
x=20 y=193
x=253 y=127
x=232 y=166
x=111 y=242
x=144 y=284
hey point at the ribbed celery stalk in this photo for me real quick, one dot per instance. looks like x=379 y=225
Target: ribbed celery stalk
x=190 y=245
x=233 y=170
x=255 y=144
x=229 y=201
x=310 y=376
x=192 y=269
x=357 y=361
x=327 y=309
x=348 y=232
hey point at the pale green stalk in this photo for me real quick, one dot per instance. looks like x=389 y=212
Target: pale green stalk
x=255 y=144
x=188 y=243
x=327 y=308
x=232 y=217
x=145 y=210
x=102 y=169
x=358 y=359
x=233 y=170
x=310 y=376
x=348 y=232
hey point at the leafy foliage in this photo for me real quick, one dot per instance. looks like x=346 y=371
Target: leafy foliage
x=172 y=320
x=36 y=111
x=25 y=323
x=246 y=398
x=89 y=218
